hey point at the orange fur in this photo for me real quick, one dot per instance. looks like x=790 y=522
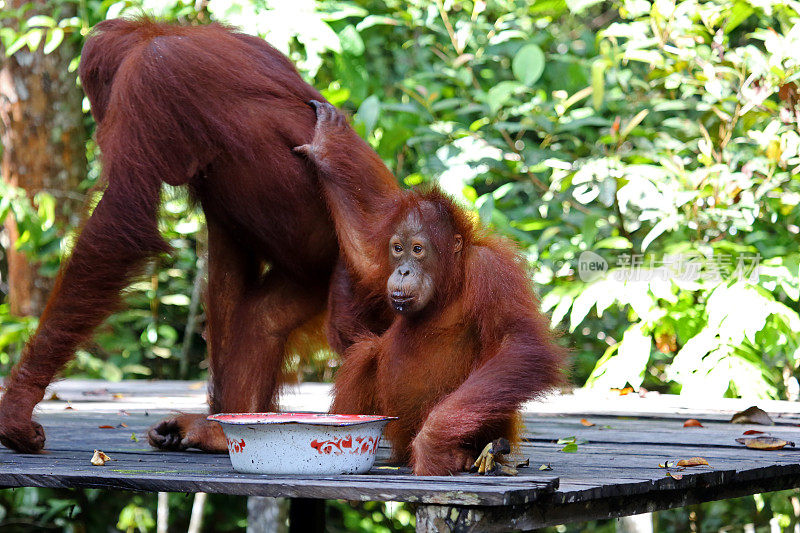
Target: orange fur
x=456 y=373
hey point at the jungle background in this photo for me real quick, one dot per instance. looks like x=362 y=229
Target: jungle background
x=638 y=131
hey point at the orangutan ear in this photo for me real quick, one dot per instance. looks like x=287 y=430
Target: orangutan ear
x=459 y=243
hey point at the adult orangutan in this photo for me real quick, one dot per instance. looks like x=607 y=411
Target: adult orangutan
x=467 y=344
x=219 y=112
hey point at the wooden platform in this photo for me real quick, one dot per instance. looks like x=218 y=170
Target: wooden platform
x=614 y=472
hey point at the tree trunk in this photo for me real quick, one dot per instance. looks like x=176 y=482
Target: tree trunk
x=43 y=139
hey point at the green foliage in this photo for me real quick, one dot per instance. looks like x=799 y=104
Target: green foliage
x=661 y=137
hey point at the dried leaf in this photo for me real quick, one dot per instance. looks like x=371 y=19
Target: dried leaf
x=502 y=470
x=666 y=464
x=586 y=423
x=69 y=408
x=674 y=476
x=106 y=427
x=546 y=467
x=122 y=425
x=753 y=432
x=692 y=423
x=99 y=458
x=764 y=443
x=54 y=397
x=118 y=395
x=694 y=461
x=752 y=415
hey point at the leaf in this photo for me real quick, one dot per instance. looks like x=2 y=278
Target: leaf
x=369 y=111
x=576 y=7
x=16 y=45
x=666 y=464
x=99 y=458
x=42 y=21
x=692 y=423
x=500 y=93
x=667 y=223
x=546 y=467
x=570 y=448
x=528 y=64
x=764 y=443
x=34 y=38
x=632 y=123
x=54 y=38
x=175 y=299
x=598 y=83
x=737 y=15
x=675 y=476
x=693 y=461
x=106 y=427
x=752 y=415
x=586 y=423
x=614 y=243
x=352 y=42
x=753 y=432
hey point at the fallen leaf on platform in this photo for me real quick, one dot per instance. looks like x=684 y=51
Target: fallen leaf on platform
x=694 y=461
x=106 y=427
x=122 y=425
x=99 y=458
x=692 y=423
x=623 y=392
x=118 y=395
x=69 y=408
x=570 y=448
x=586 y=423
x=764 y=443
x=546 y=467
x=54 y=397
x=674 y=476
x=133 y=437
x=752 y=415
x=666 y=464
x=753 y=432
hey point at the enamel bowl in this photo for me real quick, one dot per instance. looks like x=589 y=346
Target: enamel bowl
x=301 y=443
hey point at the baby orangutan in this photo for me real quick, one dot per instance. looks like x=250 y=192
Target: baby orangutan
x=466 y=345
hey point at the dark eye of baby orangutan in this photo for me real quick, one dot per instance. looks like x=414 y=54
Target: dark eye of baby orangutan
x=413 y=259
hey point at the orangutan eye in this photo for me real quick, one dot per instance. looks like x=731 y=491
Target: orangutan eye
x=398 y=248
x=417 y=249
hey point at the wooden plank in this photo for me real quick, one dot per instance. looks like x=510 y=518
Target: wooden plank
x=451 y=491
x=543 y=513
x=614 y=472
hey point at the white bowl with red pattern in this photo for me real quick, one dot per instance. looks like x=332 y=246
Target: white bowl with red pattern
x=302 y=443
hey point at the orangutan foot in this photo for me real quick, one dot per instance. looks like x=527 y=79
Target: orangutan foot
x=21 y=435
x=184 y=431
